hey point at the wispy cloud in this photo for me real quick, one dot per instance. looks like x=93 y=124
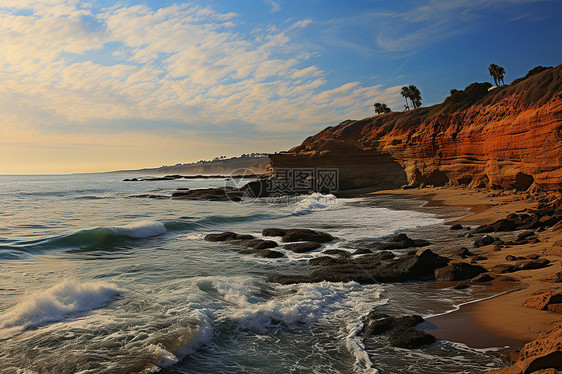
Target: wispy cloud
x=275 y=6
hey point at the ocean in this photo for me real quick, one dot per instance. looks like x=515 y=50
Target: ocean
x=98 y=275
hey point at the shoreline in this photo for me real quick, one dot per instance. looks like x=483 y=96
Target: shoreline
x=500 y=318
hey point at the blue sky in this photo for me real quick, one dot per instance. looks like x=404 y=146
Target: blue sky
x=92 y=86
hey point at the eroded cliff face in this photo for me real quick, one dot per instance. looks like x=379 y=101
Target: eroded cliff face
x=510 y=137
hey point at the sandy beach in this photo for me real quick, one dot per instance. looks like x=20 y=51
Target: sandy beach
x=500 y=320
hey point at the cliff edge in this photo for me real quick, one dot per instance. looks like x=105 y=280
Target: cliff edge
x=509 y=137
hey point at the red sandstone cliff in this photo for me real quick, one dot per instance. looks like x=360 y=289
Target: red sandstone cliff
x=510 y=137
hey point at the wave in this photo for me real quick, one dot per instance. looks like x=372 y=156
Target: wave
x=55 y=304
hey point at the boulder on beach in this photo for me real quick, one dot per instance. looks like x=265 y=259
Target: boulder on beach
x=458 y=272
x=485 y=240
x=542 y=299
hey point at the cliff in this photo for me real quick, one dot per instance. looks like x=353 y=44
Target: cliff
x=509 y=137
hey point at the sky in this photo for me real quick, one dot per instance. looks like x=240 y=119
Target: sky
x=89 y=86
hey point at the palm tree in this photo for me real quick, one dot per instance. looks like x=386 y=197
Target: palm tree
x=493 y=70
x=415 y=96
x=500 y=74
x=406 y=93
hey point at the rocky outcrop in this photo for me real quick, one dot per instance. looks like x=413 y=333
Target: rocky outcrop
x=543 y=355
x=371 y=268
x=476 y=137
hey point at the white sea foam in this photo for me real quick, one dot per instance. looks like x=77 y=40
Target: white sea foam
x=140 y=229
x=316 y=202
x=56 y=303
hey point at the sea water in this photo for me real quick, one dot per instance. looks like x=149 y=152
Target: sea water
x=98 y=275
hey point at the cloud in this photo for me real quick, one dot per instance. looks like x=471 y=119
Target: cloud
x=275 y=6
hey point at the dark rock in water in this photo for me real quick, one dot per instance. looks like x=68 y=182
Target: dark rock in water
x=465 y=253
x=458 y=272
x=409 y=338
x=299 y=235
x=302 y=247
x=401 y=241
x=268 y=253
x=362 y=251
x=483 y=278
x=456 y=226
x=461 y=286
x=485 y=240
x=373 y=268
x=258 y=243
x=211 y=194
x=273 y=232
x=130 y=180
x=510 y=258
x=399 y=331
x=337 y=252
x=532 y=264
x=376 y=323
x=325 y=261
x=222 y=237
x=244 y=237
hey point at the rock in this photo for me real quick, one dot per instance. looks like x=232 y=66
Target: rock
x=456 y=226
x=465 y=253
x=268 y=253
x=273 y=232
x=373 y=268
x=458 y=271
x=299 y=235
x=559 y=276
x=533 y=256
x=485 y=240
x=541 y=356
x=556 y=308
x=362 y=251
x=302 y=247
x=542 y=299
x=532 y=264
x=510 y=258
x=468 y=235
x=222 y=237
x=212 y=194
x=497 y=247
x=461 y=286
x=263 y=244
x=337 y=252
x=504 y=268
x=376 y=323
x=401 y=241
x=483 y=278
x=524 y=235
x=409 y=338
